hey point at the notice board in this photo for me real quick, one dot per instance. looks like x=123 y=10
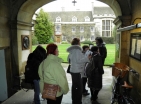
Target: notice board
x=135 y=46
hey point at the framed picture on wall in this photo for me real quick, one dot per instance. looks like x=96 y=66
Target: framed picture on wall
x=25 y=42
x=135 y=46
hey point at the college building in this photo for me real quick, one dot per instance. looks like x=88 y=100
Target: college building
x=85 y=25
x=16 y=37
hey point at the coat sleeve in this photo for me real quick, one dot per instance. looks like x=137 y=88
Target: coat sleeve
x=60 y=77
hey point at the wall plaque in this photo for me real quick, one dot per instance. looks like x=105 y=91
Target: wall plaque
x=25 y=42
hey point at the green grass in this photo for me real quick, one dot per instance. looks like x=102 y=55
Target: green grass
x=63 y=54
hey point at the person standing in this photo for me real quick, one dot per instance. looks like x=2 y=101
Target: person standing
x=53 y=73
x=77 y=59
x=83 y=74
x=33 y=62
x=95 y=81
x=102 y=48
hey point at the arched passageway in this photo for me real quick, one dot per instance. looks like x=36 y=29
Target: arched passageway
x=16 y=20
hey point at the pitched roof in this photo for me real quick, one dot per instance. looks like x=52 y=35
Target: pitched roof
x=103 y=10
x=68 y=15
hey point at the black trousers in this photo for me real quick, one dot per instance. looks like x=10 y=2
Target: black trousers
x=76 y=88
x=84 y=81
x=94 y=93
x=57 y=101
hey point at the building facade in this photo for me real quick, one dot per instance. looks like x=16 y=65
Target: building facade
x=85 y=25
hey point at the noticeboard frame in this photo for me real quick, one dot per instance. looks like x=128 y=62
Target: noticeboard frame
x=135 y=46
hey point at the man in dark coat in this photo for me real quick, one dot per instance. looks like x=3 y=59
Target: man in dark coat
x=102 y=48
x=95 y=81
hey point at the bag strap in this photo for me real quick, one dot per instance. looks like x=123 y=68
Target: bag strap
x=69 y=60
x=43 y=70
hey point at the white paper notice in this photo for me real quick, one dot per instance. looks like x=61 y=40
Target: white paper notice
x=133 y=47
x=138 y=49
x=88 y=52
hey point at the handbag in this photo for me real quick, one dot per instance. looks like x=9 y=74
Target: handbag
x=49 y=90
x=68 y=69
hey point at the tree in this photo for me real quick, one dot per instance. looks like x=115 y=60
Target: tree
x=43 y=27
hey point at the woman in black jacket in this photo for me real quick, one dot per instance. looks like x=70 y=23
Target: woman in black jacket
x=33 y=62
x=95 y=81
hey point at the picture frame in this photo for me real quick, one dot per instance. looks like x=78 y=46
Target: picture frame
x=25 y=42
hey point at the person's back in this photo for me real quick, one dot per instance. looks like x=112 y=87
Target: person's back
x=77 y=59
x=52 y=72
x=95 y=81
x=39 y=54
x=83 y=74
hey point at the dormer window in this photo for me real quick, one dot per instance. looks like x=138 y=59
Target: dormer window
x=87 y=19
x=74 y=19
x=58 y=19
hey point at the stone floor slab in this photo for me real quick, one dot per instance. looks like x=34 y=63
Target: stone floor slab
x=22 y=97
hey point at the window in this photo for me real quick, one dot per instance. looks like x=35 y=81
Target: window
x=107 y=28
x=73 y=29
x=58 y=19
x=74 y=19
x=58 y=29
x=87 y=19
x=92 y=29
x=81 y=29
x=63 y=38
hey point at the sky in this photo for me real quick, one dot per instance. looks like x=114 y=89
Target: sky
x=81 y=5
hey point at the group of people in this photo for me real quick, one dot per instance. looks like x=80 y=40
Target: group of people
x=78 y=59
x=49 y=69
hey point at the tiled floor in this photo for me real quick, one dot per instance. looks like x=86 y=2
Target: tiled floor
x=104 y=96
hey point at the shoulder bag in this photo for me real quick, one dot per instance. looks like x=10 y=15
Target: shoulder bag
x=49 y=90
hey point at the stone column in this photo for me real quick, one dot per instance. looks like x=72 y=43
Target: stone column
x=122 y=40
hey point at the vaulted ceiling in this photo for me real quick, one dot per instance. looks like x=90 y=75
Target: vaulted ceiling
x=125 y=5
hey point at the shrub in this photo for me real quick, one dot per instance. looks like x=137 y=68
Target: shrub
x=50 y=41
x=87 y=42
x=34 y=40
x=108 y=40
x=64 y=42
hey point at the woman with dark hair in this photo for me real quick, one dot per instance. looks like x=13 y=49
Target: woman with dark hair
x=52 y=72
x=77 y=59
x=102 y=48
x=95 y=81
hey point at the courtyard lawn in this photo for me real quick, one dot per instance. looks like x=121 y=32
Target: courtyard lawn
x=63 y=54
